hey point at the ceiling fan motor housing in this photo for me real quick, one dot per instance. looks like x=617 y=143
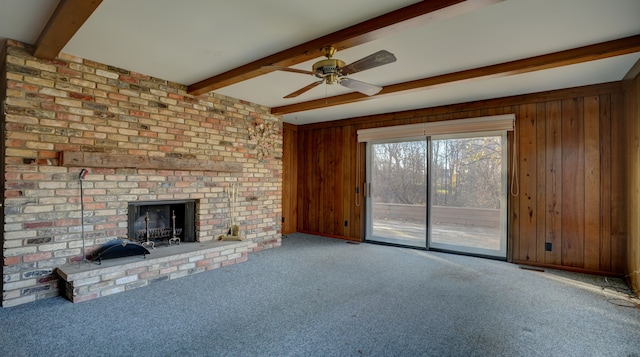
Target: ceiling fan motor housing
x=329 y=69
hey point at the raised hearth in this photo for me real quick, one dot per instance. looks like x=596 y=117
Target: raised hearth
x=89 y=281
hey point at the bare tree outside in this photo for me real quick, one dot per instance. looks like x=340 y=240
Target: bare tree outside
x=400 y=172
x=467 y=172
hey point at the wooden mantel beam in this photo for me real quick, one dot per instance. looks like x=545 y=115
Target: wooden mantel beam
x=63 y=24
x=594 y=52
x=418 y=14
x=120 y=161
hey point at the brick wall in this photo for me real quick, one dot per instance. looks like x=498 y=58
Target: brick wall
x=74 y=104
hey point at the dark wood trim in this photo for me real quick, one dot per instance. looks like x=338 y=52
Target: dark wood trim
x=567 y=268
x=552 y=60
x=67 y=18
x=418 y=14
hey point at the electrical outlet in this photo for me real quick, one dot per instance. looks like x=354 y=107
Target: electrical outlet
x=346 y=223
x=548 y=246
x=282 y=219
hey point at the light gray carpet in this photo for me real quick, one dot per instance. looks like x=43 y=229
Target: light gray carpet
x=318 y=296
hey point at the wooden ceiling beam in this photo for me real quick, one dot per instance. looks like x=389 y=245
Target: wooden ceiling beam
x=418 y=14
x=588 y=53
x=63 y=24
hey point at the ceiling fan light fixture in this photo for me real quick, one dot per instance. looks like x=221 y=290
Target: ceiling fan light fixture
x=328 y=67
x=332 y=71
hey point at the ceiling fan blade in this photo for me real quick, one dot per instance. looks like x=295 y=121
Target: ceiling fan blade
x=377 y=59
x=288 y=69
x=303 y=89
x=362 y=87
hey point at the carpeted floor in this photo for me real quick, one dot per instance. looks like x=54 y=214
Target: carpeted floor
x=318 y=296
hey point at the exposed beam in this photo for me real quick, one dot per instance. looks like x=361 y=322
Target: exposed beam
x=418 y=14
x=63 y=24
x=594 y=52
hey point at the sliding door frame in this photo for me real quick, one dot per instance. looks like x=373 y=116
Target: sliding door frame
x=502 y=252
x=368 y=236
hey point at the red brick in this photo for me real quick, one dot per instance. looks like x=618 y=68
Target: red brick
x=11 y=261
x=32 y=225
x=48 y=154
x=137 y=113
x=36 y=257
x=23 y=86
x=128 y=79
x=67 y=222
x=49 y=279
x=203 y=263
x=86 y=98
x=12 y=193
x=70 y=72
x=228 y=262
x=14 y=143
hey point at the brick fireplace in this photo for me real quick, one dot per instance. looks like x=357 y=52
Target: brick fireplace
x=142 y=139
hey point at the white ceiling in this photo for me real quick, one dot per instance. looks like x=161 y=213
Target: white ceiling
x=186 y=41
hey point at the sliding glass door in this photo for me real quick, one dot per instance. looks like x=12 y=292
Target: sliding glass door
x=397 y=192
x=468 y=185
x=447 y=192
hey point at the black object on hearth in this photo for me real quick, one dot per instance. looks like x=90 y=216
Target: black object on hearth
x=119 y=248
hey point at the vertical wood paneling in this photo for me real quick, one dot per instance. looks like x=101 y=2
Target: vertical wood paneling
x=316 y=207
x=327 y=220
x=553 y=183
x=541 y=166
x=347 y=159
x=592 y=206
x=572 y=182
x=605 y=183
x=334 y=184
x=619 y=172
x=528 y=182
x=570 y=171
x=632 y=118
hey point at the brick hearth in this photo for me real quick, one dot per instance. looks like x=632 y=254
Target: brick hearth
x=84 y=281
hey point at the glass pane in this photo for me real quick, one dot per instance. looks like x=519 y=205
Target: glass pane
x=467 y=195
x=399 y=193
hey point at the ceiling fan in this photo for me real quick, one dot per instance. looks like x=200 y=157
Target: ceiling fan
x=333 y=70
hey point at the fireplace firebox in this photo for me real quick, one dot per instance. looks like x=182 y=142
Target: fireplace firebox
x=162 y=220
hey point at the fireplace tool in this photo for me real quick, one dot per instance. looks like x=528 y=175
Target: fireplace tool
x=233 y=231
x=148 y=241
x=81 y=176
x=174 y=235
x=149 y=236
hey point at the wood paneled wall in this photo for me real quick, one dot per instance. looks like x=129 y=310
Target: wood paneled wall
x=571 y=175
x=633 y=183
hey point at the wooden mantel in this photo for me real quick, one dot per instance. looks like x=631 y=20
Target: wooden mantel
x=119 y=161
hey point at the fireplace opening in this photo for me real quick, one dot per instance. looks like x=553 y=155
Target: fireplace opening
x=161 y=221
